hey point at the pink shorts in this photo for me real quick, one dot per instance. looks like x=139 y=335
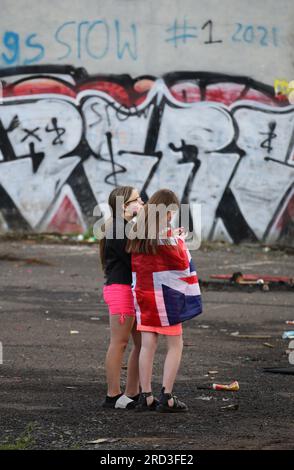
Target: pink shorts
x=120 y=300
x=171 y=330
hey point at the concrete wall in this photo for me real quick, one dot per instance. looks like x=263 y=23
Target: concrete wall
x=149 y=93
x=253 y=37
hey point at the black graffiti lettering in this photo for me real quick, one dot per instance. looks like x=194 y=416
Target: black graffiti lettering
x=155 y=154
x=100 y=118
x=6 y=147
x=132 y=111
x=122 y=115
x=60 y=131
x=279 y=162
x=266 y=144
x=209 y=23
x=37 y=158
x=31 y=133
x=109 y=144
x=190 y=154
x=144 y=112
x=9 y=154
x=229 y=211
x=107 y=114
x=14 y=123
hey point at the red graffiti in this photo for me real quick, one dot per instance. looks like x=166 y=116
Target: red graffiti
x=128 y=92
x=66 y=219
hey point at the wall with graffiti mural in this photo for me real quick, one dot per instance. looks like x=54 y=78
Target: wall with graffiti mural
x=67 y=136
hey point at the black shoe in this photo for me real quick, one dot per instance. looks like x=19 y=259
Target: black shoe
x=135 y=397
x=142 y=403
x=110 y=402
x=164 y=407
x=121 y=402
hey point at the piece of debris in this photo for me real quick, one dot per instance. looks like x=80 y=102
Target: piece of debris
x=235 y=333
x=238 y=280
x=204 y=386
x=213 y=372
x=265 y=288
x=230 y=407
x=203 y=326
x=203 y=398
x=268 y=345
x=95 y=318
x=241 y=278
x=280 y=370
x=74 y=332
x=232 y=387
x=100 y=441
x=254 y=336
x=288 y=335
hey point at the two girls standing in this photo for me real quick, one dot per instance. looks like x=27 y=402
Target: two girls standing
x=165 y=293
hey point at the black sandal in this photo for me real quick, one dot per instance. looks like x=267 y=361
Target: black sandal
x=142 y=404
x=164 y=407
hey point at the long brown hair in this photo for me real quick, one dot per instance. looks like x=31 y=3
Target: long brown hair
x=141 y=241
x=122 y=191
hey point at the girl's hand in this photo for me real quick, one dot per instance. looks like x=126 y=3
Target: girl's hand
x=180 y=232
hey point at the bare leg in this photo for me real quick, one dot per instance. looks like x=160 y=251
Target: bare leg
x=132 y=386
x=119 y=337
x=172 y=363
x=148 y=348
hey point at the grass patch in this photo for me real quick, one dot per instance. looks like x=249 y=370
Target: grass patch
x=23 y=442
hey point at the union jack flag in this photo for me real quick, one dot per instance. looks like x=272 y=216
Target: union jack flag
x=165 y=285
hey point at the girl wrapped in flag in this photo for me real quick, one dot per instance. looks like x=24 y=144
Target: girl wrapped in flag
x=166 y=293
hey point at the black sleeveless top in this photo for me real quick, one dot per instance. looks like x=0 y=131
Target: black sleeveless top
x=118 y=269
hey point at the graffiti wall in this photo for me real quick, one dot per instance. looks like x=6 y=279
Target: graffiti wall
x=146 y=93
x=67 y=138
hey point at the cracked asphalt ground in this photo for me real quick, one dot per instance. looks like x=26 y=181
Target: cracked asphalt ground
x=53 y=381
